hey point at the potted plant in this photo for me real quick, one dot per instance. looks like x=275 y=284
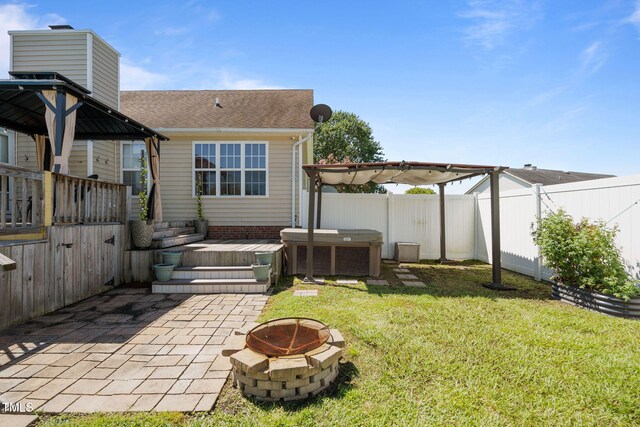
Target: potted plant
x=588 y=268
x=201 y=224
x=261 y=272
x=163 y=271
x=142 y=229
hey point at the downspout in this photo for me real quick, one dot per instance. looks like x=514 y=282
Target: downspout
x=293 y=177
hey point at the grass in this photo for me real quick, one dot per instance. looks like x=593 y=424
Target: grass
x=453 y=353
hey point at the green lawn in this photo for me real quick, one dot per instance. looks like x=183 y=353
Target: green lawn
x=453 y=353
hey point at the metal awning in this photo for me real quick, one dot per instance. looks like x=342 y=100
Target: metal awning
x=412 y=173
x=47 y=105
x=22 y=109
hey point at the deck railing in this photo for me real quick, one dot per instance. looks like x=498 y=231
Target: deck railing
x=21 y=198
x=87 y=201
x=30 y=200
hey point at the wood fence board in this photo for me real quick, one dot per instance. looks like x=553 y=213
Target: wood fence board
x=16 y=284
x=28 y=252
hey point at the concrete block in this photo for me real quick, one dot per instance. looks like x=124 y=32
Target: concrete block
x=326 y=358
x=249 y=361
x=234 y=344
x=287 y=369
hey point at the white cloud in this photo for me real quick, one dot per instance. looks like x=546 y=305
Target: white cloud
x=593 y=57
x=494 y=20
x=225 y=80
x=16 y=16
x=134 y=77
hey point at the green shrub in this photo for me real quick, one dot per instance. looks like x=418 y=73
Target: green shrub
x=584 y=254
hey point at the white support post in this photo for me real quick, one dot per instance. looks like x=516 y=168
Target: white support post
x=537 y=262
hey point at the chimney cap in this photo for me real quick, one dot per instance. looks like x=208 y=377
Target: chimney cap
x=61 y=27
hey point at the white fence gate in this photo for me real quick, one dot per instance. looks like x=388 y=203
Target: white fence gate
x=415 y=218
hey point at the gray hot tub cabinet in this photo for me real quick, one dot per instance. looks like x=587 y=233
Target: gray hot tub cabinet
x=336 y=252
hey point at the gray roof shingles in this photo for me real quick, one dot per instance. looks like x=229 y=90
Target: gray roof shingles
x=551 y=177
x=272 y=109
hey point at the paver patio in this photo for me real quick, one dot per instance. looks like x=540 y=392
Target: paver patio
x=125 y=350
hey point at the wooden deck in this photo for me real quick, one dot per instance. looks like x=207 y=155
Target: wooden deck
x=254 y=245
x=207 y=253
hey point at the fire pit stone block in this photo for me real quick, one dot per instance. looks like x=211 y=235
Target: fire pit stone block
x=336 y=338
x=270 y=385
x=287 y=369
x=246 y=328
x=326 y=358
x=249 y=361
x=234 y=344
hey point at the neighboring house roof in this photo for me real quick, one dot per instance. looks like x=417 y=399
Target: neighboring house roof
x=533 y=175
x=271 y=109
x=552 y=177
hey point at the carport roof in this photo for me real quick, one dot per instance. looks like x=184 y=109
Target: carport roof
x=22 y=110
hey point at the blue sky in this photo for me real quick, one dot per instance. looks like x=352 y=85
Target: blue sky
x=553 y=83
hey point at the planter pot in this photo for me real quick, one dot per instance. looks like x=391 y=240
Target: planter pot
x=171 y=257
x=141 y=234
x=596 y=301
x=264 y=258
x=163 y=271
x=201 y=226
x=261 y=272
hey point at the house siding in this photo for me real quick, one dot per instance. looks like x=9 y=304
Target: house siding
x=106 y=64
x=106 y=160
x=177 y=180
x=64 y=52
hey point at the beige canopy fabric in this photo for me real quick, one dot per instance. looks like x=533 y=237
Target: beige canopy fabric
x=69 y=129
x=412 y=173
x=40 y=141
x=153 y=150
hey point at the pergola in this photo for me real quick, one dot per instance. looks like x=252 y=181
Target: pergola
x=49 y=106
x=412 y=173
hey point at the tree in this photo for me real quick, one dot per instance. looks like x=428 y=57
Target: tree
x=420 y=190
x=346 y=138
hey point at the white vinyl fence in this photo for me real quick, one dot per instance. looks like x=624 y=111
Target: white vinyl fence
x=415 y=218
x=613 y=200
x=403 y=218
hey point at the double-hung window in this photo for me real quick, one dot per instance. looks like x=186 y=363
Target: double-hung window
x=240 y=169
x=131 y=152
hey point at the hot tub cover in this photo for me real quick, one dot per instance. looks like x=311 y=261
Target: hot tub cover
x=299 y=235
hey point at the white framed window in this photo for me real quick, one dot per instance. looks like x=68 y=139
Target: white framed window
x=130 y=168
x=5 y=147
x=231 y=168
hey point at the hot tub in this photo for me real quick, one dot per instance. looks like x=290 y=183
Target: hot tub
x=335 y=252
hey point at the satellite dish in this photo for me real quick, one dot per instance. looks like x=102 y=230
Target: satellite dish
x=320 y=113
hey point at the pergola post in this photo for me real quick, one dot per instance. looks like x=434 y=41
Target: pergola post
x=319 y=212
x=312 y=199
x=61 y=108
x=443 y=235
x=496 y=264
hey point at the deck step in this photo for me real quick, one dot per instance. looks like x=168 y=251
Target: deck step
x=174 y=231
x=176 y=224
x=205 y=272
x=182 y=239
x=158 y=226
x=215 y=286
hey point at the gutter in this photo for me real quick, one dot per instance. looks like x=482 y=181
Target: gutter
x=277 y=131
x=293 y=176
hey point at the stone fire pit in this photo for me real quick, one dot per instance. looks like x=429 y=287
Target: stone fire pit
x=285 y=359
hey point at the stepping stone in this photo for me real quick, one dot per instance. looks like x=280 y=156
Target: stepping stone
x=346 y=282
x=378 y=282
x=406 y=276
x=414 y=284
x=305 y=293
x=402 y=270
x=389 y=261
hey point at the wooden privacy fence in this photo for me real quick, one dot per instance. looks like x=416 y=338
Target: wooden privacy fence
x=30 y=200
